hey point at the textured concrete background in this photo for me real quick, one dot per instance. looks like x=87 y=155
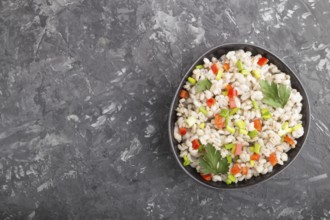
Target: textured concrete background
x=85 y=89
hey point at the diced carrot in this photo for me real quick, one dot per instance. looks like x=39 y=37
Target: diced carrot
x=206 y=177
x=232 y=103
x=184 y=94
x=245 y=170
x=228 y=87
x=262 y=61
x=183 y=131
x=196 y=144
x=238 y=149
x=219 y=121
x=210 y=102
x=255 y=157
x=257 y=124
x=215 y=68
x=289 y=140
x=272 y=159
x=226 y=66
x=235 y=169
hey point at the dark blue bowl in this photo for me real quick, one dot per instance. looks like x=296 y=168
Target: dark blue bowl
x=296 y=84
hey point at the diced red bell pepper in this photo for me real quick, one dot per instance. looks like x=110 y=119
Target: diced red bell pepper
x=235 y=169
x=206 y=177
x=262 y=61
x=245 y=170
x=257 y=124
x=289 y=140
x=232 y=103
x=196 y=144
x=255 y=157
x=226 y=66
x=231 y=91
x=215 y=68
x=219 y=122
x=238 y=149
x=183 y=131
x=184 y=94
x=210 y=102
x=272 y=159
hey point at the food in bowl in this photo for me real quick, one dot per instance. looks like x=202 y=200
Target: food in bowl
x=237 y=117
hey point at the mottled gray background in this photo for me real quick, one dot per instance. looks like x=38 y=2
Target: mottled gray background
x=85 y=89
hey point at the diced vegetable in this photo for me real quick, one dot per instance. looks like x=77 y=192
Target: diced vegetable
x=219 y=122
x=265 y=113
x=233 y=111
x=238 y=149
x=257 y=124
x=289 y=130
x=232 y=177
x=191 y=121
x=201 y=149
x=224 y=112
x=228 y=181
x=206 y=177
x=235 y=169
x=230 y=129
x=232 y=103
x=182 y=131
x=243 y=131
x=192 y=80
x=219 y=75
x=231 y=91
x=233 y=149
x=202 y=125
x=226 y=66
x=256 y=74
x=214 y=68
x=210 y=102
x=285 y=125
x=202 y=110
x=224 y=93
x=255 y=104
x=257 y=148
x=281 y=132
x=262 y=61
x=186 y=161
x=251 y=149
x=239 y=65
x=241 y=124
x=252 y=162
x=245 y=170
x=297 y=127
x=229 y=146
x=253 y=134
x=199 y=67
x=245 y=72
x=255 y=156
x=272 y=159
x=289 y=140
x=184 y=94
x=196 y=144
x=229 y=159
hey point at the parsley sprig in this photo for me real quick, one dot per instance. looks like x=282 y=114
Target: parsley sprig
x=212 y=162
x=203 y=85
x=275 y=95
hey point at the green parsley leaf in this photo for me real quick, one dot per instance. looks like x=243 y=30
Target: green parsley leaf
x=275 y=95
x=203 y=85
x=212 y=162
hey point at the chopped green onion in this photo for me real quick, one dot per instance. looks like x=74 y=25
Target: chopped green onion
x=289 y=130
x=251 y=149
x=192 y=80
x=191 y=121
x=298 y=126
x=228 y=181
x=253 y=134
x=219 y=75
x=230 y=129
x=229 y=146
x=256 y=74
x=243 y=131
x=186 y=161
x=202 y=110
x=257 y=148
x=285 y=125
x=255 y=104
x=224 y=93
x=202 y=125
x=265 y=113
x=239 y=65
x=233 y=149
x=226 y=120
x=224 y=112
x=233 y=111
x=229 y=159
x=199 y=67
x=245 y=72
x=232 y=177
x=241 y=124
x=252 y=163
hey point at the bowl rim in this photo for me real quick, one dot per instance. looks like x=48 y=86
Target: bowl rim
x=172 y=111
